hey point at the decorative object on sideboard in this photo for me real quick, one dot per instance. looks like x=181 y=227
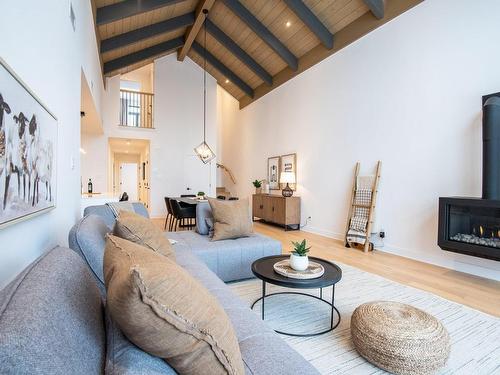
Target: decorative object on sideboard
x=90 y=187
x=273 y=172
x=299 y=260
x=257 y=184
x=289 y=164
x=265 y=187
x=28 y=145
x=288 y=178
x=203 y=150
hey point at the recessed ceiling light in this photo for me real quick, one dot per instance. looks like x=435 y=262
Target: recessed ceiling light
x=288 y=24
x=227 y=81
x=128 y=143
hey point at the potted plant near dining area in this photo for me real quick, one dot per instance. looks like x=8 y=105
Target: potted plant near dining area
x=258 y=186
x=299 y=260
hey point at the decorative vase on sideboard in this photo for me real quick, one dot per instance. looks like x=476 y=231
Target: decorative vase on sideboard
x=258 y=190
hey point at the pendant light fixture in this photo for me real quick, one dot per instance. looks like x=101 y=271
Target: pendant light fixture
x=204 y=151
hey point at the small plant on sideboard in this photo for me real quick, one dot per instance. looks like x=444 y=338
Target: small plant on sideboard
x=258 y=186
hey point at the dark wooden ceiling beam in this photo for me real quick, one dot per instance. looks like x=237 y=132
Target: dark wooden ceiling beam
x=311 y=21
x=237 y=51
x=144 y=54
x=193 y=31
x=258 y=28
x=128 y=8
x=146 y=32
x=224 y=70
x=377 y=7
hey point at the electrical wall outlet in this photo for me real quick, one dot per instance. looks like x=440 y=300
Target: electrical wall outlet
x=381 y=234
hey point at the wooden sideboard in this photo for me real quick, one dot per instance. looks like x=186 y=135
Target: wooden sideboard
x=277 y=209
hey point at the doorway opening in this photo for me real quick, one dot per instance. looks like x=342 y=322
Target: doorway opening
x=130 y=169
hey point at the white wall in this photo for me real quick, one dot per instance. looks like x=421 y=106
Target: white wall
x=48 y=55
x=144 y=75
x=178 y=121
x=409 y=94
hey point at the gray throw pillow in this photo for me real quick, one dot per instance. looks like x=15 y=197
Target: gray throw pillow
x=124 y=358
x=203 y=211
x=210 y=224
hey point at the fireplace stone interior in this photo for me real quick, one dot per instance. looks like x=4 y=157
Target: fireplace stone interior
x=470 y=226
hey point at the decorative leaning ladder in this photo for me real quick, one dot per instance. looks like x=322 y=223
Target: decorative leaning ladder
x=369 y=206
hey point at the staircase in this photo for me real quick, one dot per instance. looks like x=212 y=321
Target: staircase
x=221 y=190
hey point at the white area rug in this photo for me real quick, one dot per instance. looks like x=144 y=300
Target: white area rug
x=475 y=336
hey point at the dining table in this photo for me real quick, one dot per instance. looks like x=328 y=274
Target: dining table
x=189 y=200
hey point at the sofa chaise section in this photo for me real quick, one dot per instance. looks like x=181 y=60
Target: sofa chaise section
x=263 y=351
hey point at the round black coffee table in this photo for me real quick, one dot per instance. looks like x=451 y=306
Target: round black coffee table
x=263 y=269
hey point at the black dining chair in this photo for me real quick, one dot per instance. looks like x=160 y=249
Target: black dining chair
x=222 y=197
x=169 y=220
x=233 y=198
x=185 y=217
x=184 y=204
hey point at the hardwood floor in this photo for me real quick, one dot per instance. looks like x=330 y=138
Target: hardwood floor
x=479 y=293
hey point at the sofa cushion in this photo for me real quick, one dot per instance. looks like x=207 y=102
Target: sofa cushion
x=142 y=231
x=203 y=211
x=107 y=214
x=51 y=318
x=229 y=259
x=88 y=239
x=231 y=219
x=124 y=358
x=262 y=350
x=166 y=312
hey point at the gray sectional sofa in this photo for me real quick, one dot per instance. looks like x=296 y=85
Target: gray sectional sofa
x=53 y=318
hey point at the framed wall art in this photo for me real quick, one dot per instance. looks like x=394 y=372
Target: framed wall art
x=28 y=146
x=289 y=164
x=273 y=172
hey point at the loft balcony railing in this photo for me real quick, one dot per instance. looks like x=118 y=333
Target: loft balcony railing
x=136 y=109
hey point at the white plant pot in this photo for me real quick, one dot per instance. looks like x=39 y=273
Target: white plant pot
x=299 y=263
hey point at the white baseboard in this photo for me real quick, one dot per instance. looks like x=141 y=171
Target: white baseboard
x=446 y=259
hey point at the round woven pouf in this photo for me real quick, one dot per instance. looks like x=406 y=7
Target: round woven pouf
x=399 y=338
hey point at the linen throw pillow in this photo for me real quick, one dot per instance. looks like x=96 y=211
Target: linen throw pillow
x=142 y=231
x=166 y=312
x=231 y=219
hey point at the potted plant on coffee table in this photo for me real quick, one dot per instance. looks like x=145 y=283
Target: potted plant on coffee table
x=299 y=260
x=258 y=186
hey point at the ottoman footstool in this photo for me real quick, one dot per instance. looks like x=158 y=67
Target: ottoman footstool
x=399 y=338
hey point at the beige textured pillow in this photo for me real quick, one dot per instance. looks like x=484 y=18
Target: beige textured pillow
x=231 y=219
x=142 y=231
x=167 y=313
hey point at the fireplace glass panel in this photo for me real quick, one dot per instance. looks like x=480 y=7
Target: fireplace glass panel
x=474 y=225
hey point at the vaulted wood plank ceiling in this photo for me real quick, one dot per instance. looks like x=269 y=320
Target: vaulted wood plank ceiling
x=252 y=46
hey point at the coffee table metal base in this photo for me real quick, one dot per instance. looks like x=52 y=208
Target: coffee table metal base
x=331 y=304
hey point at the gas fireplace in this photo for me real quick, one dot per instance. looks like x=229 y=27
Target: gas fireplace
x=472 y=225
